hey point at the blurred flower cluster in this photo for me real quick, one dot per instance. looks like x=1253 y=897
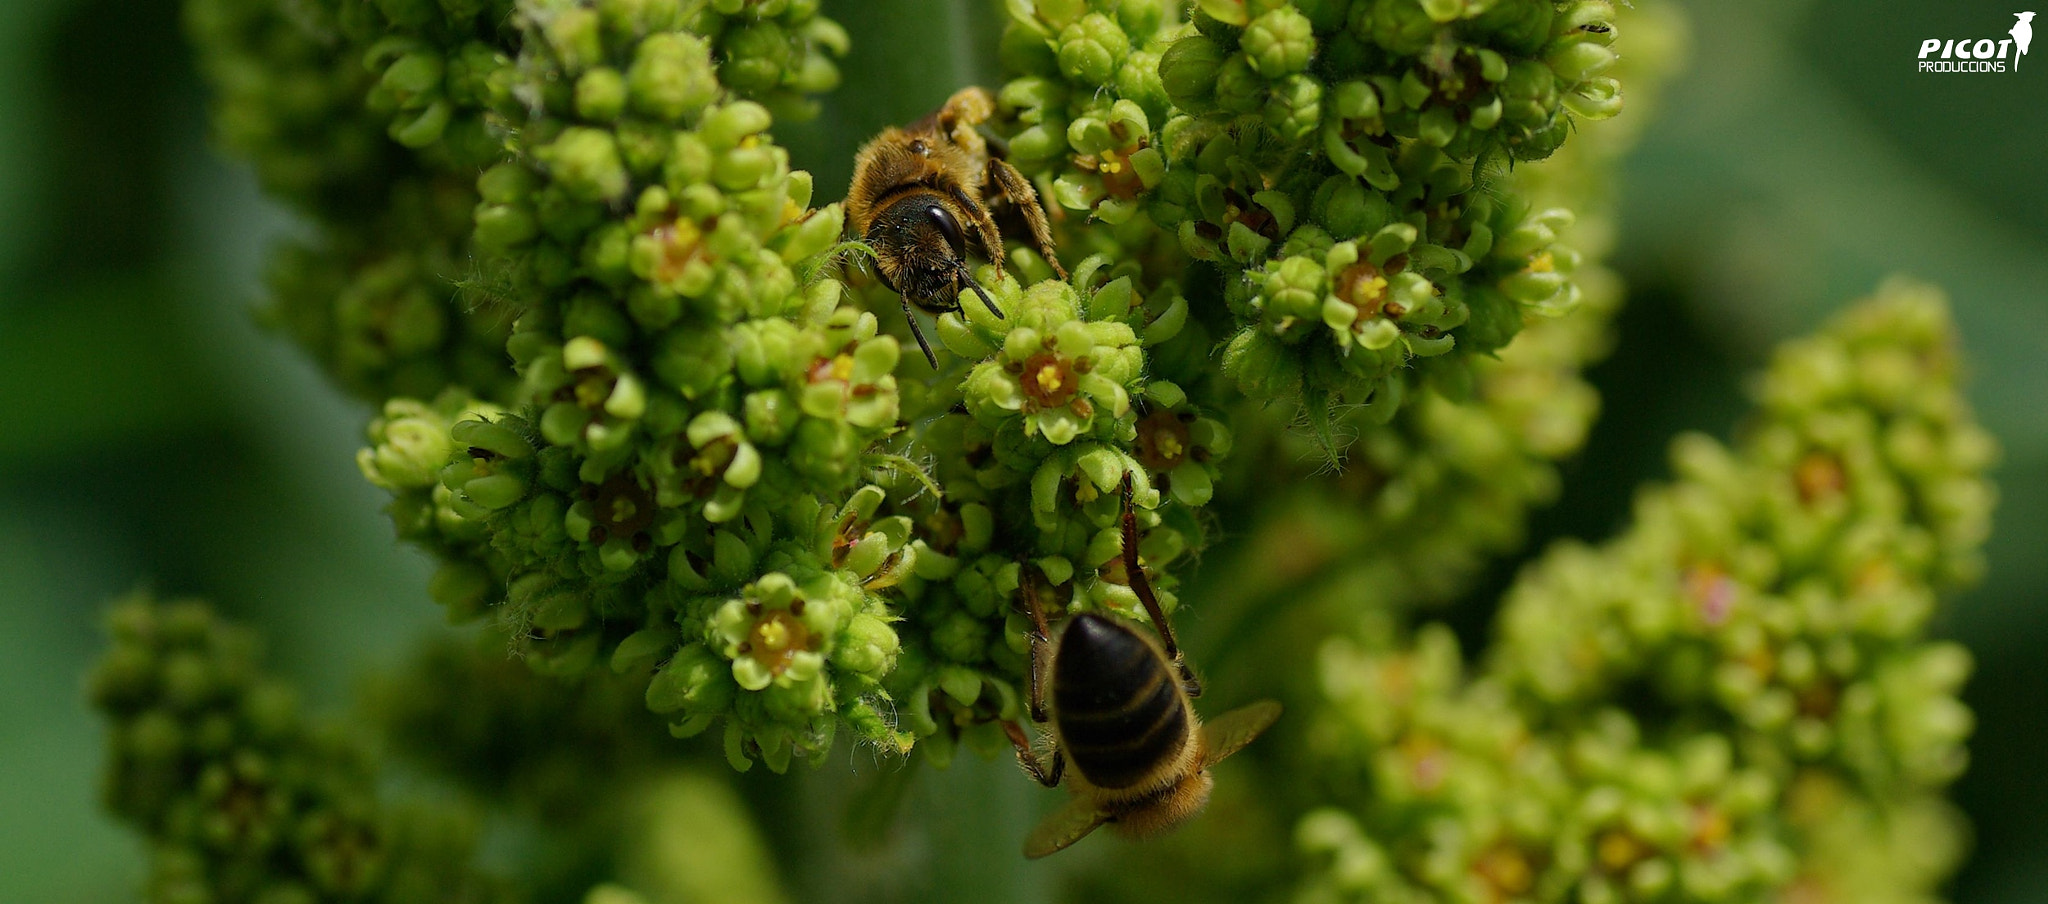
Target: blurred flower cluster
x=630 y=395
x=1734 y=695
x=242 y=799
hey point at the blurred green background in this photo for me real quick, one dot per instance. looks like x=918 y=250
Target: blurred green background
x=154 y=436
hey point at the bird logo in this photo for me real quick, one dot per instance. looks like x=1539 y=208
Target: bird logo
x=2022 y=35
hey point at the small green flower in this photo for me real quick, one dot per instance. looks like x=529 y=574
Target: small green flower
x=1055 y=374
x=775 y=636
x=1178 y=446
x=857 y=385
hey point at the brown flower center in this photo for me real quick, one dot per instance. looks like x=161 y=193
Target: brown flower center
x=1364 y=286
x=708 y=464
x=1120 y=179
x=1617 y=850
x=776 y=639
x=621 y=509
x=1506 y=870
x=1162 y=441
x=679 y=242
x=1710 y=828
x=1049 y=380
x=1819 y=477
x=1712 y=590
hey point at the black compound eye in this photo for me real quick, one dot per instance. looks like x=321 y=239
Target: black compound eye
x=943 y=219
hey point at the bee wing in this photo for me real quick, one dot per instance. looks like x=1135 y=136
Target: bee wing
x=872 y=809
x=1070 y=823
x=1228 y=733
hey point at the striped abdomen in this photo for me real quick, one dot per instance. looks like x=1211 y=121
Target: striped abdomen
x=1121 y=714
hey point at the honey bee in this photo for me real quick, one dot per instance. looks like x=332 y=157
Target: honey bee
x=1120 y=710
x=920 y=199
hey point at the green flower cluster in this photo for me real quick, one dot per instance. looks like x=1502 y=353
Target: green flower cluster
x=373 y=118
x=381 y=296
x=1764 y=618
x=628 y=404
x=1447 y=464
x=1342 y=163
x=1031 y=450
x=1593 y=811
x=241 y=800
x=689 y=393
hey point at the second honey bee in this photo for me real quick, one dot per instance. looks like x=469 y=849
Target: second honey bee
x=921 y=197
x=1121 y=711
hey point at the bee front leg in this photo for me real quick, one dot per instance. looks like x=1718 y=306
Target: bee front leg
x=985 y=232
x=1012 y=185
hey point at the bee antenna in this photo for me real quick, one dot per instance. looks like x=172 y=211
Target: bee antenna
x=910 y=317
x=968 y=277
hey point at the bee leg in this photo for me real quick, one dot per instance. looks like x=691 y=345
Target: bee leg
x=985 y=232
x=1012 y=185
x=1041 y=642
x=911 y=317
x=1045 y=774
x=968 y=107
x=1142 y=586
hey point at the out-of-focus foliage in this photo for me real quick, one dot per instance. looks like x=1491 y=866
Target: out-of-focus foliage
x=400 y=292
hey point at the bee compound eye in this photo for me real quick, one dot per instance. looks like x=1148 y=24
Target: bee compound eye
x=950 y=227
x=917 y=146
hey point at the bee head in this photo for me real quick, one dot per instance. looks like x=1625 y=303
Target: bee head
x=921 y=248
x=920 y=242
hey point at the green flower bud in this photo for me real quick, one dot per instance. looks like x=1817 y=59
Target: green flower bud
x=1189 y=68
x=672 y=76
x=693 y=681
x=757 y=57
x=1238 y=87
x=585 y=163
x=726 y=126
x=409 y=445
x=1296 y=108
x=1091 y=49
x=600 y=94
x=575 y=36
x=1279 y=43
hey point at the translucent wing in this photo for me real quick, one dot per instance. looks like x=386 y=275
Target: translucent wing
x=874 y=805
x=1068 y=824
x=1228 y=733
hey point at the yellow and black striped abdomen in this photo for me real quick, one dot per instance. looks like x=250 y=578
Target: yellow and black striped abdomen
x=1121 y=713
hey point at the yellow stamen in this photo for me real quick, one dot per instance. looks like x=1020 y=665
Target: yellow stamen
x=1049 y=378
x=774 y=636
x=1170 y=447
